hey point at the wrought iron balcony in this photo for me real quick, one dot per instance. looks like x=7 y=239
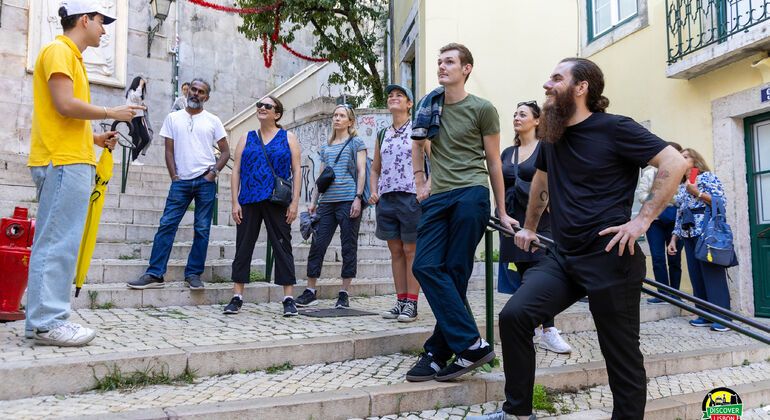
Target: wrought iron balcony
x=696 y=24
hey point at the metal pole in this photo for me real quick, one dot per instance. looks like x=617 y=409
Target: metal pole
x=489 y=288
x=123 y=172
x=216 y=203
x=269 y=262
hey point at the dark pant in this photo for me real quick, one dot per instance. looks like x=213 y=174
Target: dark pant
x=613 y=285
x=330 y=215
x=451 y=227
x=523 y=267
x=279 y=234
x=180 y=195
x=141 y=137
x=709 y=281
x=658 y=237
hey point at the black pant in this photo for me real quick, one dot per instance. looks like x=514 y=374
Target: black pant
x=279 y=233
x=331 y=215
x=613 y=285
x=522 y=268
x=140 y=137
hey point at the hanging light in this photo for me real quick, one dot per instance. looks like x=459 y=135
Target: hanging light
x=160 y=10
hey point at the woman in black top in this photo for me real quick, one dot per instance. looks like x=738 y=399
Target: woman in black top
x=518 y=171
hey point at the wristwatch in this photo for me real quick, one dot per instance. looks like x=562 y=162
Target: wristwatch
x=360 y=196
x=213 y=169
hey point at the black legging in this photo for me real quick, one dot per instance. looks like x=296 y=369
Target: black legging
x=140 y=138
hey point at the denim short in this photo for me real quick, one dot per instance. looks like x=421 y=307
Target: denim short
x=398 y=214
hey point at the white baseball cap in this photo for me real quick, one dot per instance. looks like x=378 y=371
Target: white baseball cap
x=81 y=7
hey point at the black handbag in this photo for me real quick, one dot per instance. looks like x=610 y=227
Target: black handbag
x=282 y=190
x=325 y=179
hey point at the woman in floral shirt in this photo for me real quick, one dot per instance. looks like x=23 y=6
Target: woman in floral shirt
x=393 y=190
x=709 y=281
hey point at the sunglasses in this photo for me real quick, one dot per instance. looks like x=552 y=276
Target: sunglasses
x=527 y=103
x=264 y=105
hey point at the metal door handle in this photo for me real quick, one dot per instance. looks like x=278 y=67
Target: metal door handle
x=763 y=233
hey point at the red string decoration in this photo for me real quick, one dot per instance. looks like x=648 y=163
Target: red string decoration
x=268 y=43
x=240 y=11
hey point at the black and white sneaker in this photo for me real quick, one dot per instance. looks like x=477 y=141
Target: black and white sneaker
x=234 y=306
x=194 y=281
x=395 y=311
x=425 y=369
x=289 y=307
x=307 y=298
x=343 y=300
x=465 y=362
x=409 y=312
x=146 y=281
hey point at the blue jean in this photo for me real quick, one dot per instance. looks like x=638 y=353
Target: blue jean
x=180 y=195
x=63 y=193
x=709 y=281
x=658 y=237
x=451 y=227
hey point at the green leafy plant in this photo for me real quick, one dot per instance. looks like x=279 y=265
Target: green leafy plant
x=542 y=400
x=257 y=276
x=279 y=368
x=116 y=379
x=350 y=33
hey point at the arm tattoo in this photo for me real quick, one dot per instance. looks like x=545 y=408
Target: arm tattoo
x=662 y=175
x=544 y=196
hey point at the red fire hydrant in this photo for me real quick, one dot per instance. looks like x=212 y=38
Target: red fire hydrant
x=16 y=234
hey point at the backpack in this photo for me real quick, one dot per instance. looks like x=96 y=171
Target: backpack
x=715 y=244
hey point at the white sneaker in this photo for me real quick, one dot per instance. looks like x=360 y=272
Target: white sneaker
x=68 y=334
x=551 y=340
x=538 y=334
x=136 y=163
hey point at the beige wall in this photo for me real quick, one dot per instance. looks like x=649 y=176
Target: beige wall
x=513 y=50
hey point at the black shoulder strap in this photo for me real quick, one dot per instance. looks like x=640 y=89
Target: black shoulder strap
x=516 y=162
x=342 y=150
x=381 y=137
x=259 y=139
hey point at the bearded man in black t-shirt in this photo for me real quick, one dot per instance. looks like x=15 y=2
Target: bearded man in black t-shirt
x=587 y=171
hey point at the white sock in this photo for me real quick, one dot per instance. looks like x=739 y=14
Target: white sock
x=238 y=296
x=287 y=297
x=344 y=291
x=479 y=344
x=312 y=290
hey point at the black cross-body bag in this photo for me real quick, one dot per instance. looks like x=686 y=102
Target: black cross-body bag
x=325 y=179
x=282 y=188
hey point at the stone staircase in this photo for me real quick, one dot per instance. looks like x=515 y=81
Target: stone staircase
x=199 y=363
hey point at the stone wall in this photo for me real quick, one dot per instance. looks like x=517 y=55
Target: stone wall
x=210 y=47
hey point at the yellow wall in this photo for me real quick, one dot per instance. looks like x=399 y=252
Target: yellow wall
x=678 y=110
x=513 y=54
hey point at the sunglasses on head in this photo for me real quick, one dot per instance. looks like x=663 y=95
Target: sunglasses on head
x=264 y=105
x=527 y=103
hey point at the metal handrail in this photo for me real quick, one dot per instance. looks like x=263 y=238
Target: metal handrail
x=544 y=242
x=124 y=160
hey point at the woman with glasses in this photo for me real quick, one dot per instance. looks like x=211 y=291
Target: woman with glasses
x=339 y=204
x=259 y=157
x=141 y=136
x=393 y=191
x=518 y=171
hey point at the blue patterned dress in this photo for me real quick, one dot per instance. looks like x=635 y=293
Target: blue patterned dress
x=257 y=181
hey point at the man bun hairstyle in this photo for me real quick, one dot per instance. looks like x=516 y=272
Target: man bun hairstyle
x=584 y=70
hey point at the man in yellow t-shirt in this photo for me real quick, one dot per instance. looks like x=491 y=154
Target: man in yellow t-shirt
x=61 y=160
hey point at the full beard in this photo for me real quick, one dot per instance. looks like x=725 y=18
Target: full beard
x=556 y=112
x=194 y=104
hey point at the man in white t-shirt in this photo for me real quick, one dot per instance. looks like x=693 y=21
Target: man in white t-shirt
x=190 y=136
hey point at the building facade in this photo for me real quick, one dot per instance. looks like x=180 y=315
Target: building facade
x=694 y=72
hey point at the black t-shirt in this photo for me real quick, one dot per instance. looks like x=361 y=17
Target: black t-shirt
x=592 y=174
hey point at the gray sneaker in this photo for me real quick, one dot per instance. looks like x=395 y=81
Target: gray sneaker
x=395 y=311
x=409 y=312
x=146 y=281
x=289 y=307
x=194 y=281
x=67 y=334
x=498 y=415
x=343 y=301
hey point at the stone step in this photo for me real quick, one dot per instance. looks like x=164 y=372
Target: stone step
x=219 y=270
x=371 y=385
x=145 y=233
x=210 y=343
x=226 y=250
x=95 y=296
x=671 y=396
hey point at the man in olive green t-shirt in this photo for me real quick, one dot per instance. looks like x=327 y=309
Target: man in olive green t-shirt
x=455 y=212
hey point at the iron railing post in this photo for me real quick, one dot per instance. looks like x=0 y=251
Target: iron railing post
x=269 y=262
x=123 y=172
x=216 y=202
x=489 y=288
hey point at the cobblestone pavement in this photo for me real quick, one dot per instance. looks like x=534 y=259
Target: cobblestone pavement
x=133 y=330
x=659 y=336
x=600 y=396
